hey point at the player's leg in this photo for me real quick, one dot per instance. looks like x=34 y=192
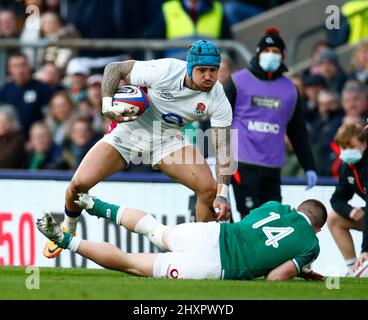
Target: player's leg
x=340 y=230
x=169 y=238
x=270 y=185
x=111 y=257
x=100 y=162
x=102 y=253
x=247 y=189
x=187 y=166
x=132 y=219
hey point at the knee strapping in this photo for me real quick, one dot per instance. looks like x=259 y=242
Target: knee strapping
x=153 y=229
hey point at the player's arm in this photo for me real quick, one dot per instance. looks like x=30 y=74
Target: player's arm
x=286 y=271
x=224 y=165
x=113 y=74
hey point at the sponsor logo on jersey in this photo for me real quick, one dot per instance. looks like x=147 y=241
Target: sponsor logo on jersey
x=200 y=109
x=351 y=180
x=174 y=119
x=264 y=127
x=266 y=102
x=166 y=94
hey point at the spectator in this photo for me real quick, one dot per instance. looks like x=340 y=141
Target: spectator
x=27 y=95
x=298 y=82
x=50 y=75
x=292 y=166
x=323 y=130
x=226 y=68
x=313 y=85
x=193 y=19
x=12 y=155
x=359 y=68
x=77 y=73
x=8 y=28
x=240 y=10
x=352 y=140
x=43 y=152
x=59 y=116
x=330 y=69
x=80 y=139
x=94 y=96
x=266 y=106
x=114 y=19
x=53 y=29
x=354 y=101
x=318 y=47
x=8 y=24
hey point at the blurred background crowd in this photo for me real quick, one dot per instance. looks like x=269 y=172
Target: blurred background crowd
x=50 y=112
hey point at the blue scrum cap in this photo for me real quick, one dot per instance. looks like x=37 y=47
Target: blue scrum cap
x=202 y=53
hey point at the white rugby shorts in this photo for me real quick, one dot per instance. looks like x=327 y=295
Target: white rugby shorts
x=195 y=253
x=138 y=145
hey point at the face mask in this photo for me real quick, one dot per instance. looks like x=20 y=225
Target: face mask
x=351 y=156
x=269 y=61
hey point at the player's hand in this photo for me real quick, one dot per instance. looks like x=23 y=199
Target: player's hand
x=119 y=113
x=356 y=214
x=222 y=208
x=119 y=118
x=363 y=257
x=312 y=178
x=309 y=274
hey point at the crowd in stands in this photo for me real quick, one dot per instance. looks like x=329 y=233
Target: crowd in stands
x=50 y=104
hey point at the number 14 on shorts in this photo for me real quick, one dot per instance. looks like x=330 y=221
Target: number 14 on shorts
x=273 y=234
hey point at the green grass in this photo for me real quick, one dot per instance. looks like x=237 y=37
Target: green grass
x=58 y=283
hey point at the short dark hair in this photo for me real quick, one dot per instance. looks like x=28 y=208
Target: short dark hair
x=17 y=54
x=315 y=210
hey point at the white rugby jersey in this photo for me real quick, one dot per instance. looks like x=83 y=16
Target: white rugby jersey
x=173 y=104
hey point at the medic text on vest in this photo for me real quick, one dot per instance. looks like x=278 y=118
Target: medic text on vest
x=265 y=127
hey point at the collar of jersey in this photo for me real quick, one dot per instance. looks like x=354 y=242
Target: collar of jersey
x=305 y=217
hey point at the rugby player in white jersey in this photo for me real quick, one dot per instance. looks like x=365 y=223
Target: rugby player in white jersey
x=180 y=92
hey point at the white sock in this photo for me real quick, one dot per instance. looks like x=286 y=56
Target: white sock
x=70 y=224
x=153 y=229
x=74 y=244
x=350 y=262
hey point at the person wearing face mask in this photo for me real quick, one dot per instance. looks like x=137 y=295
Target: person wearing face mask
x=266 y=106
x=352 y=140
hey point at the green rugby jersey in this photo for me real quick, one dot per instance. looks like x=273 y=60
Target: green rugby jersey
x=269 y=236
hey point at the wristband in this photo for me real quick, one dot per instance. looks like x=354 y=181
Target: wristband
x=106 y=104
x=223 y=191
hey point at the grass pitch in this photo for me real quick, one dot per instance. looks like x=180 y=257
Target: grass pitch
x=58 y=283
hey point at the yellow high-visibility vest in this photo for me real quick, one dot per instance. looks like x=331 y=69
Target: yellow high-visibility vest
x=179 y=24
x=357 y=14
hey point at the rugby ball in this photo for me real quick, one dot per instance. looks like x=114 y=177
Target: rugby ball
x=133 y=97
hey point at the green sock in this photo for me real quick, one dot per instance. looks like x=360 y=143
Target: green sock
x=64 y=243
x=103 y=209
